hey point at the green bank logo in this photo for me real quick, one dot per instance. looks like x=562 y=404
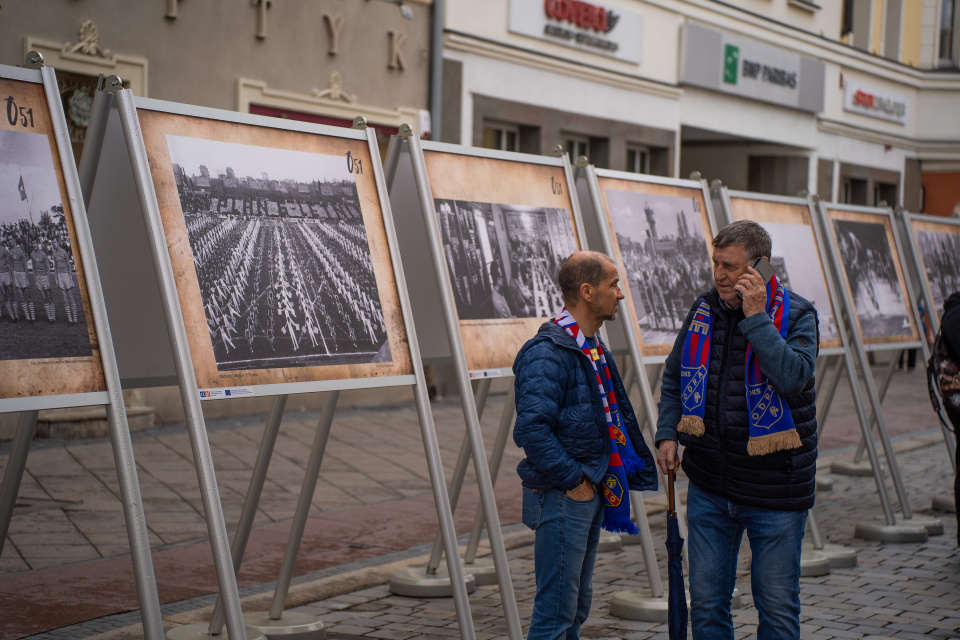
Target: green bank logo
x=731 y=63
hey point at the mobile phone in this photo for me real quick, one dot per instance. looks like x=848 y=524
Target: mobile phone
x=763 y=266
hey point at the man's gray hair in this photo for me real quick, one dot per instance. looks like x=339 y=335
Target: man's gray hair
x=754 y=238
x=579 y=268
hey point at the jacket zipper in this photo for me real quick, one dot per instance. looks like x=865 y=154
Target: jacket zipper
x=722 y=404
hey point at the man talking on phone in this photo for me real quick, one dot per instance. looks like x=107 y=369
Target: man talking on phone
x=738 y=394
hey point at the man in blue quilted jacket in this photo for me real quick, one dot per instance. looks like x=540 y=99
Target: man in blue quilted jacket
x=583 y=446
x=738 y=393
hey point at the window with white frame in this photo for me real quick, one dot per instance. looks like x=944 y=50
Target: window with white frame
x=501 y=136
x=576 y=146
x=638 y=159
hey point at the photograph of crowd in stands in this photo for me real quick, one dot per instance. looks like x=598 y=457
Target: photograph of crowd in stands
x=665 y=255
x=281 y=256
x=41 y=310
x=503 y=259
x=795 y=261
x=873 y=278
x=941 y=261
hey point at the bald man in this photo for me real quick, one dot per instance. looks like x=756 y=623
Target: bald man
x=582 y=443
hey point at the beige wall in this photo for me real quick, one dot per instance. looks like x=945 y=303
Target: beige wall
x=198 y=57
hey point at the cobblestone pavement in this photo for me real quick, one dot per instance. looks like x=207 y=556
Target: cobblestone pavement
x=896 y=591
x=68 y=520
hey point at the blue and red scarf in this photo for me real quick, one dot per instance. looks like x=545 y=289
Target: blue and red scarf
x=623 y=458
x=771 y=424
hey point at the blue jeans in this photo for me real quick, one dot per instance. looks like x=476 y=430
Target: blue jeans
x=716 y=528
x=564 y=553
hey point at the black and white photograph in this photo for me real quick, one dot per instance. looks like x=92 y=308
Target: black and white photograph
x=795 y=261
x=872 y=277
x=41 y=309
x=504 y=259
x=281 y=255
x=940 y=252
x=666 y=257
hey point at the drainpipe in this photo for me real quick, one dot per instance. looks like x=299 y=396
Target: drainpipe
x=436 y=71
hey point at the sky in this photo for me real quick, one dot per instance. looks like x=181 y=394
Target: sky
x=247 y=160
x=27 y=154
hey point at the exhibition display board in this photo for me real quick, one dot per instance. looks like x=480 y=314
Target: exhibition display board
x=879 y=305
x=275 y=253
x=496 y=227
x=661 y=234
x=796 y=258
x=55 y=343
x=873 y=276
x=933 y=245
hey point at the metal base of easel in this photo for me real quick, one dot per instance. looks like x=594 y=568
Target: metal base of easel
x=202 y=632
x=824 y=484
x=944 y=503
x=839 y=556
x=415 y=582
x=638 y=604
x=813 y=563
x=483 y=570
x=934 y=526
x=880 y=531
x=292 y=625
x=858 y=469
x=609 y=542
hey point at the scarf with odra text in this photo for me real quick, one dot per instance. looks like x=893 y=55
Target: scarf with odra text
x=623 y=458
x=771 y=424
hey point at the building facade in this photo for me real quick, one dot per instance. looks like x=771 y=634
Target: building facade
x=855 y=100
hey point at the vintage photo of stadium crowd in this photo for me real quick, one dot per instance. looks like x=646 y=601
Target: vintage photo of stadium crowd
x=503 y=260
x=666 y=257
x=281 y=255
x=941 y=261
x=41 y=311
x=872 y=276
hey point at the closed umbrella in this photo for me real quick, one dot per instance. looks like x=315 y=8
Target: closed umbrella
x=677 y=596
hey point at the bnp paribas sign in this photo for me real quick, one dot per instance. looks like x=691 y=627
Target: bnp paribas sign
x=588 y=26
x=744 y=67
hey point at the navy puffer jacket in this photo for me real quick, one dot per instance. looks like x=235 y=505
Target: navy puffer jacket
x=718 y=461
x=561 y=424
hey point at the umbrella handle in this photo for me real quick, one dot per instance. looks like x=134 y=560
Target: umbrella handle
x=671 y=504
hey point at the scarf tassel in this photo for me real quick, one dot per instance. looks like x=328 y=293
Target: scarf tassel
x=782 y=441
x=691 y=425
x=619 y=525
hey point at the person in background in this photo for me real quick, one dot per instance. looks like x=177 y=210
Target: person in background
x=950 y=332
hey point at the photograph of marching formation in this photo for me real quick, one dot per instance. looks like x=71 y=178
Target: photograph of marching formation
x=874 y=278
x=666 y=256
x=940 y=253
x=504 y=259
x=796 y=257
x=41 y=311
x=281 y=256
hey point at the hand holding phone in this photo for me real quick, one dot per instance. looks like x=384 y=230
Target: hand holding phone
x=764 y=268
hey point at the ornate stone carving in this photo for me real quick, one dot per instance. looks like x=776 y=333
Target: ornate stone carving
x=89 y=44
x=335 y=90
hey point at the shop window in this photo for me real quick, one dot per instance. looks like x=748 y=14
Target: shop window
x=884 y=192
x=855 y=191
x=576 y=146
x=501 y=136
x=638 y=159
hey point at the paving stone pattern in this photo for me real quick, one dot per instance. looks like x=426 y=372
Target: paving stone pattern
x=907 y=591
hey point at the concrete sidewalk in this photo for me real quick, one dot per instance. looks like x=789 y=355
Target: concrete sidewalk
x=373 y=509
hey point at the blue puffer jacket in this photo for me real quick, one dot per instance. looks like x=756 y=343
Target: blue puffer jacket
x=561 y=424
x=718 y=461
